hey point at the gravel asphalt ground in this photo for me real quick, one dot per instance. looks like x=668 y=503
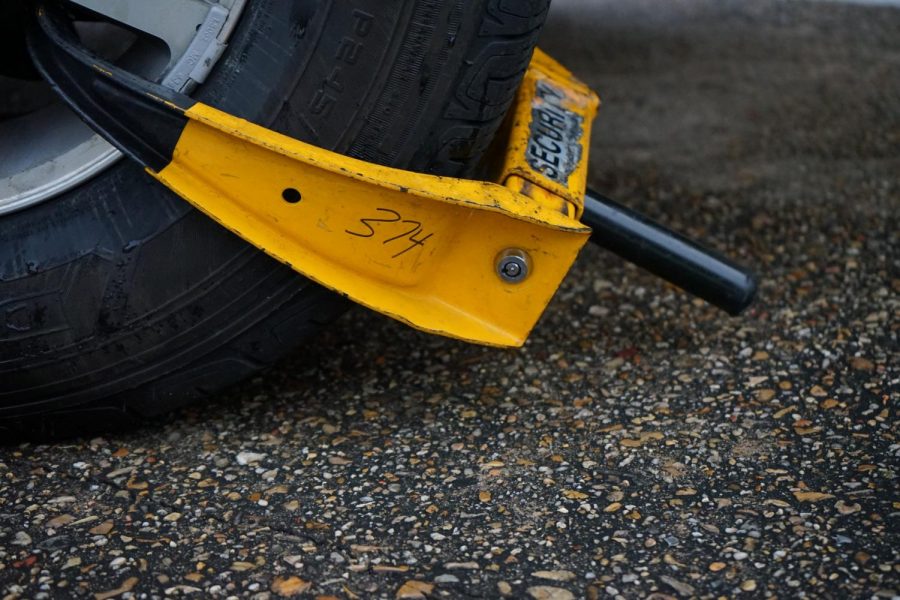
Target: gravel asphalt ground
x=641 y=445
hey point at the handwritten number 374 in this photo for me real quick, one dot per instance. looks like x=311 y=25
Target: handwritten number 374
x=411 y=229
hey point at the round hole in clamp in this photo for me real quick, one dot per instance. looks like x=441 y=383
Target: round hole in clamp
x=291 y=195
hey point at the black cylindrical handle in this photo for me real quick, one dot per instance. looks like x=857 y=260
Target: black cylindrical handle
x=670 y=255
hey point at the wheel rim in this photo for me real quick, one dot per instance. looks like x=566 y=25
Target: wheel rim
x=46 y=150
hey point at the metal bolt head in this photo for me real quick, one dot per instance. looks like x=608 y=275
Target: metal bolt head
x=513 y=265
x=512 y=268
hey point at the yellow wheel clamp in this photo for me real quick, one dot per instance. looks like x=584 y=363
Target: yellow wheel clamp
x=473 y=260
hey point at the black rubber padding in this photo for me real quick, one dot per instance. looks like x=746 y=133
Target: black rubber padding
x=143 y=119
x=119 y=302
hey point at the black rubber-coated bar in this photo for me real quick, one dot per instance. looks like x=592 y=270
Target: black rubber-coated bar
x=142 y=119
x=670 y=255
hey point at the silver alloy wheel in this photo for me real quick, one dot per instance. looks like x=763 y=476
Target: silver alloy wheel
x=47 y=151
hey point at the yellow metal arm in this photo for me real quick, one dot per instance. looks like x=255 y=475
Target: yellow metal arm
x=472 y=260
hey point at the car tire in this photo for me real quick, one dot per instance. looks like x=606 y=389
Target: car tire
x=119 y=302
